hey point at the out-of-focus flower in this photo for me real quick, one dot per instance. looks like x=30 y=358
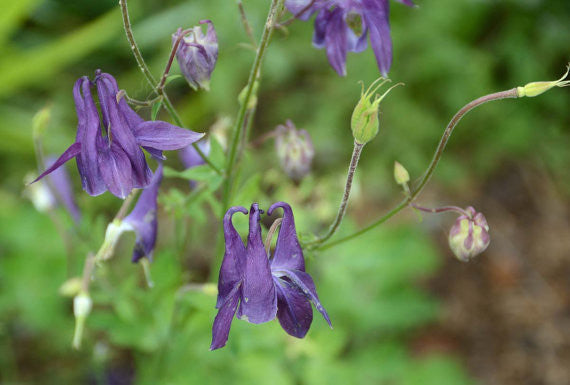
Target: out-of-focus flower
x=142 y=220
x=344 y=25
x=264 y=288
x=190 y=157
x=469 y=236
x=39 y=194
x=60 y=185
x=295 y=150
x=197 y=54
x=108 y=151
x=82 y=305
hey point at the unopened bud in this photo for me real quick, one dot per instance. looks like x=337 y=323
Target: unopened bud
x=364 y=122
x=82 y=305
x=537 y=88
x=40 y=195
x=197 y=54
x=401 y=175
x=71 y=287
x=295 y=150
x=469 y=236
x=40 y=121
x=252 y=103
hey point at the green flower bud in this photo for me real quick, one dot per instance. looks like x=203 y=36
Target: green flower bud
x=364 y=122
x=537 y=88
x=112 y=235
x=401 y=174
x=71 y=287
x=469 y=236
x=40 y=122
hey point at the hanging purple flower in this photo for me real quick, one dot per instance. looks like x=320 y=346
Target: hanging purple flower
x=197 y=54
x=344 y=25
x=264 y=288
x=107 y=150
x=142 y=220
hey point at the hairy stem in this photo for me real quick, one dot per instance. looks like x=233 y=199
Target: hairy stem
x=152 y=81
x=509 y=94
x=345 y=196
x=253 y=76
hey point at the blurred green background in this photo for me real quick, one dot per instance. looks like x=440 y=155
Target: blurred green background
x=403 y=310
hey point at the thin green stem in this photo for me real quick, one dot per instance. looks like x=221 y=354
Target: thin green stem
x=253 y=76
x=152 y=81
x=345 y=196
x=509 y=94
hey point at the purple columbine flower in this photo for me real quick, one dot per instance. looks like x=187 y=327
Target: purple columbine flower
x=142 y=220
x=264 y=288
x=108 y=150
x=344 y=25
x=197 y=54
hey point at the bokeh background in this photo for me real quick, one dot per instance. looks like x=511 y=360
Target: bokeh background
x=404 y=310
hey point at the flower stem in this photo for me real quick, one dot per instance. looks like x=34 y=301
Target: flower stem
x=509 y=94
x=253 y=76
x=345 y=196
x=152 y=81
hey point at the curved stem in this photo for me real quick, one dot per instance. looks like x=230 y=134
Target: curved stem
x=344 y=201
x=439 y=210
x=509 y=94
x=253 y=76
x=152 y=81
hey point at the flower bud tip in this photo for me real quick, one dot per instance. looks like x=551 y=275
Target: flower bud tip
x=538 y=88
x=401 y=175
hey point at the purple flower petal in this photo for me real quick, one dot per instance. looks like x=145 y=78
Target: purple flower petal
x=375 y=14
x=156 y=154
x=288 y=252
x=190 y=157
x=68 y=154
x=321 y=22
x=259 y=301
x=294 y=311
x=305 y=283
x=164 y=136
x=119 y=131
x=336 y=41
x=223 y=320
x=233 y=263
x=116 y=170
x=304 y=6
x=143 y=218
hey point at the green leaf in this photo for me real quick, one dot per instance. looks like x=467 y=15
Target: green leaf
x=201 y=173
x=171 y=78
x=155 y=109
x=217 y=155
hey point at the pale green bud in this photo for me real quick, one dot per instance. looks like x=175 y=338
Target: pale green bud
x=112 y=235
x=252 y=103
x=40 y=194
x=401 y=174
x=40 y=121
x=71 y=287
x=537 y=88
x=82 y=305
x=364 y=122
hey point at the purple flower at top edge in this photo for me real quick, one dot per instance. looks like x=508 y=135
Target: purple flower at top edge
x=142 y=220
x=258 y=288
x=197 y=54
x=344 y=25
x=60 y=186
x=108 y=150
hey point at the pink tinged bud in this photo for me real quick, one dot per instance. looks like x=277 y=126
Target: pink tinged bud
x=295 y=150
x=197 y=54
x=469 y=236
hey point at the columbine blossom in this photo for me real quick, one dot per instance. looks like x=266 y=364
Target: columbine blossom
x=197 y=54
x=344 y=25
x=142 y=220
x=259 y=288
x=108 y=150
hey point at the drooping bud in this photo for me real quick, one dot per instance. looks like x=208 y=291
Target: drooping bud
x=537 y=88
x=82 y=305
x=197 y=54
x=469 y=236
x=294 y=149
x=114 y=231
x=401 y=175
x=364 y=122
